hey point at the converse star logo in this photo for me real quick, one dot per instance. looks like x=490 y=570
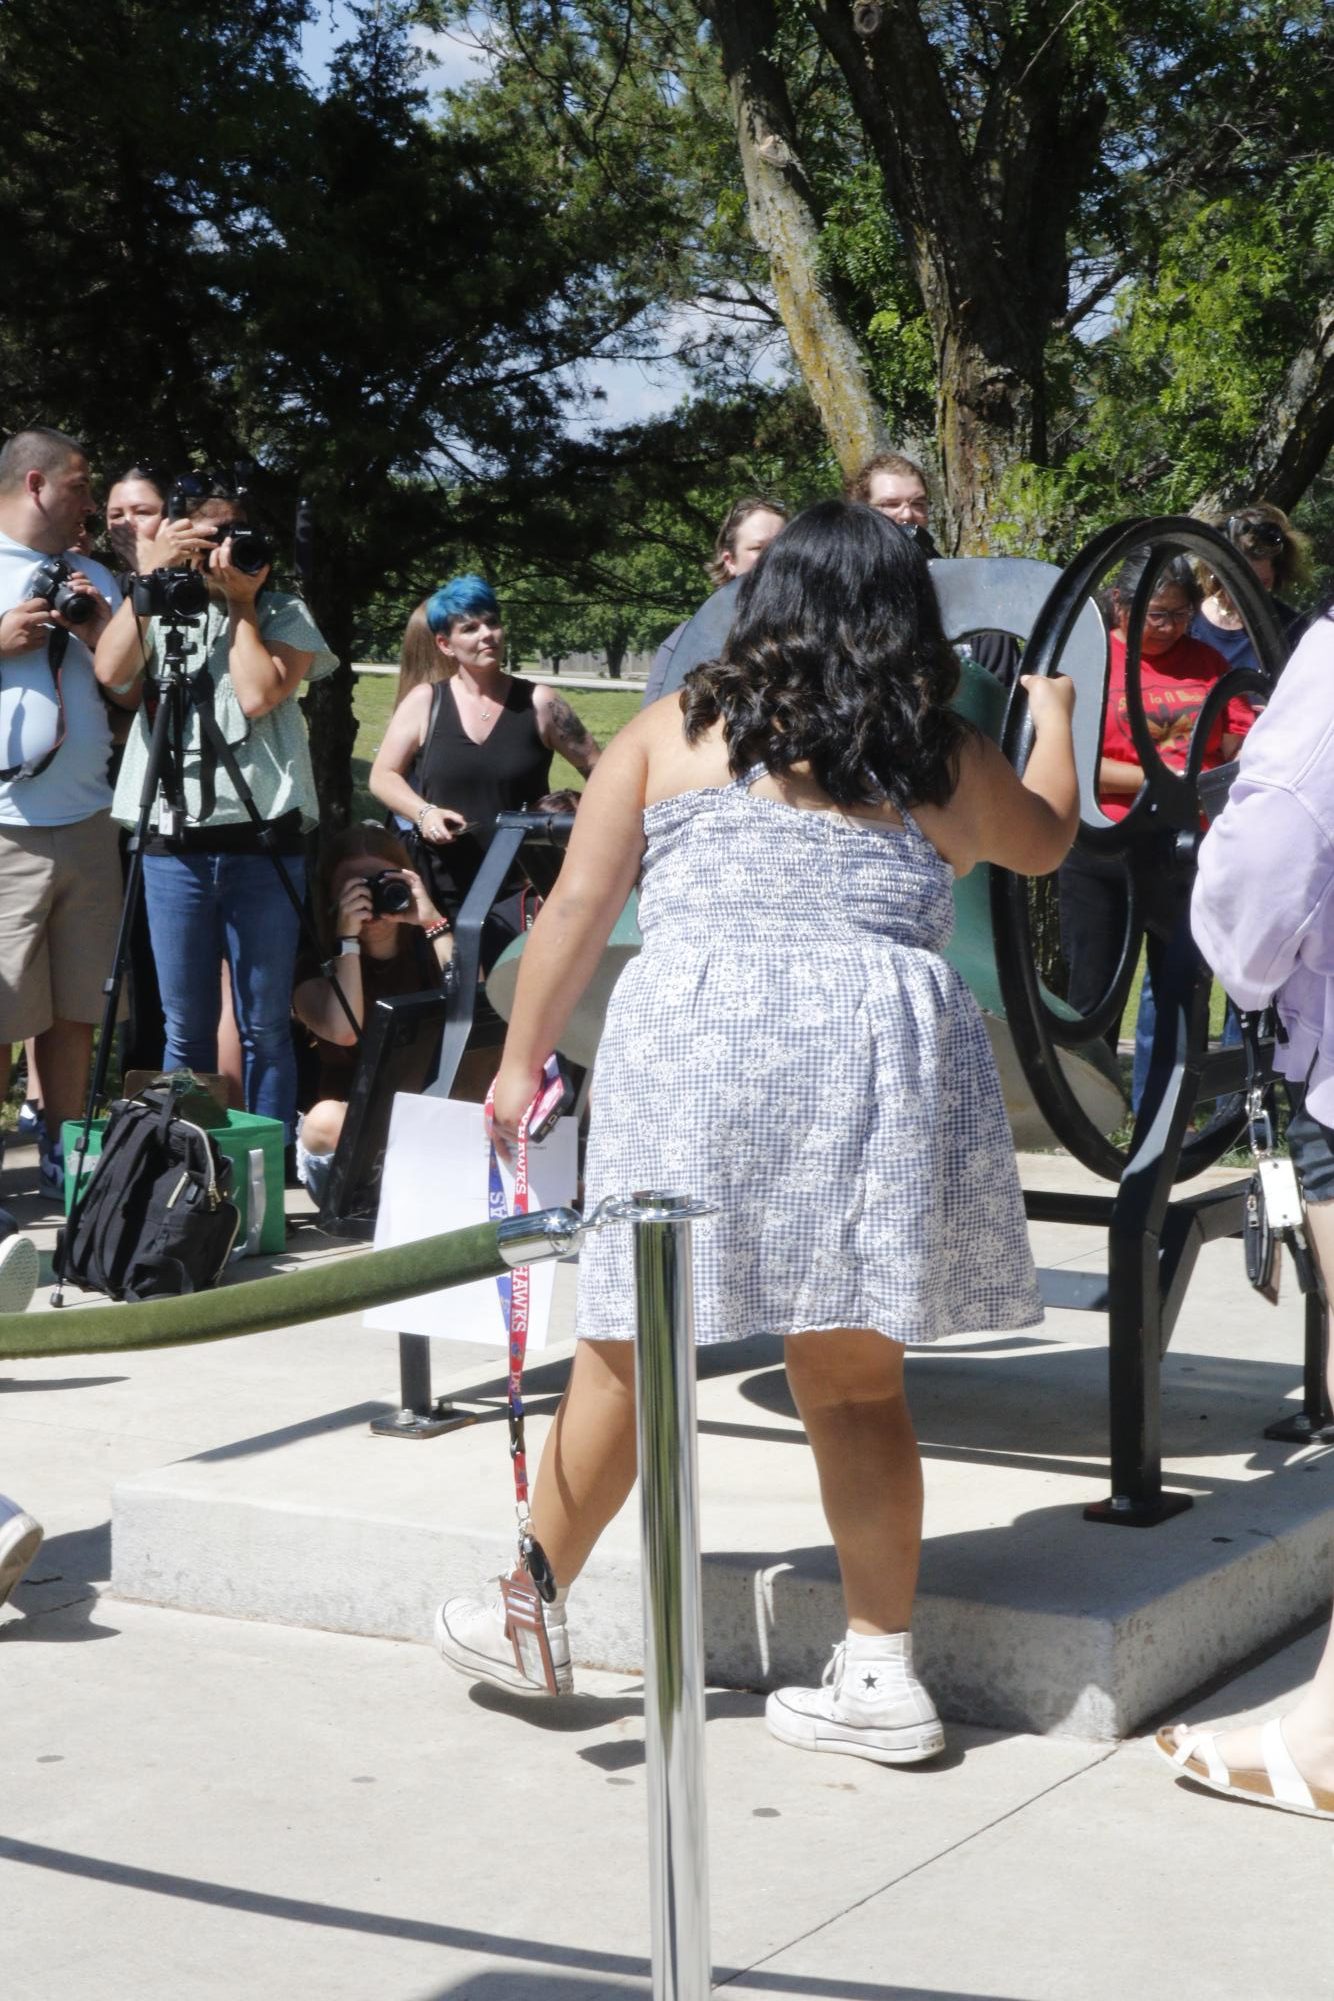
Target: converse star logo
x=870 y=1681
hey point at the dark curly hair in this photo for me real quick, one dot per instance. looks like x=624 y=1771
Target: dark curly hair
x=838 y=658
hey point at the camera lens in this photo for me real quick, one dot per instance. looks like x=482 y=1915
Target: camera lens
x=184 y=592
x=390 y=895
x=74 y=606
x=251 y=551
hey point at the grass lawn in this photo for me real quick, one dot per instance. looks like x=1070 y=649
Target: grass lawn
x=601 y=711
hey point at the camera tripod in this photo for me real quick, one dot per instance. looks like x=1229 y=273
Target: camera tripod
x=178 y=693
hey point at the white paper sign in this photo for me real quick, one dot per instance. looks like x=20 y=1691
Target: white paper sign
x=436 y=1170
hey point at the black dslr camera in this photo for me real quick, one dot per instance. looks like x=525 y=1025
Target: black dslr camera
x=251 y=551
x=168 y=594
x=51 y=582
x=391 y=896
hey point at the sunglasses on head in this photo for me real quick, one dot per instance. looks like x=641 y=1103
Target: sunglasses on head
x=1243 y=529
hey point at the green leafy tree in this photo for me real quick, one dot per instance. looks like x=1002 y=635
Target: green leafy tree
x=996 y=223
x=389 y=310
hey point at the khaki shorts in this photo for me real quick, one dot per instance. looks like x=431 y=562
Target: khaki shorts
x=60 y=893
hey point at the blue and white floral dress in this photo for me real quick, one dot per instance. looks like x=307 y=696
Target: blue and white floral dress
x=791 y=1046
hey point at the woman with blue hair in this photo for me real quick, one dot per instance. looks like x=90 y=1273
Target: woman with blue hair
x=472 y=744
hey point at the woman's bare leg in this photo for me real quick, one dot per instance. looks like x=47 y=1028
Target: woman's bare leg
x=848 y=1387
x=588 y=1462
x=1308 y=1727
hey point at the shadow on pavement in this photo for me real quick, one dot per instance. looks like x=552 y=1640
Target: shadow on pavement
x=12 y=1386
x=59 y=1595
x=502 y=1984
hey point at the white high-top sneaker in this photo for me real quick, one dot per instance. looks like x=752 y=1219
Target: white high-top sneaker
x=870 y=1704
x=20 y=1540
x=20 y=1270
x=470 y=1633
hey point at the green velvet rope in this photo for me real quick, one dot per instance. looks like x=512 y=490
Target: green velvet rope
x=376 y=1278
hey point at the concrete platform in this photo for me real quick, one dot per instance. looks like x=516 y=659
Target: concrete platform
x=1029 y=1617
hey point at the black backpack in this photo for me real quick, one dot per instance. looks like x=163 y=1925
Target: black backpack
x=155 y=1216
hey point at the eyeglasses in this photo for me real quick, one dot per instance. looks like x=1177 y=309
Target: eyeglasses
x=1182 y=616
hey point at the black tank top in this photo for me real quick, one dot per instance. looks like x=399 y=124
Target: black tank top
x=507 y=772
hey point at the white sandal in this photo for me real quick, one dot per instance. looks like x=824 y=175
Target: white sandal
x=1280 y=1784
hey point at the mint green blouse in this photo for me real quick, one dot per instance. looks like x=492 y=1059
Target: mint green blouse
x=272 y=751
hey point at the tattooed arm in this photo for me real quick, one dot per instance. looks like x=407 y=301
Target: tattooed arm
x=560 y=729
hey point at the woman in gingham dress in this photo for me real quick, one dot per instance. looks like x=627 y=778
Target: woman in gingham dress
x=791 y=1047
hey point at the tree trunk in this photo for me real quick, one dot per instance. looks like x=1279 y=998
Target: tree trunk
x=785 y=225
x=988 y=419
x=328 y=705
x=983 y=216
x=1296 y=432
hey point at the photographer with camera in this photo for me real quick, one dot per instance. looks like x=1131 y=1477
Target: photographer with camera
x=211 y=888
x=380 y=935
x=136 y=510
x=59 y=874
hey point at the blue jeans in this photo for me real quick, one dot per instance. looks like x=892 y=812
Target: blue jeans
x=203 y=909
x=1145 y=1023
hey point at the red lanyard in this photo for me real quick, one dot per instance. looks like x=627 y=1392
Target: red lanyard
x=514 y=1290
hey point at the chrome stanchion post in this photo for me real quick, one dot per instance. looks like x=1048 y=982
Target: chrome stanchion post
x=673 y=1620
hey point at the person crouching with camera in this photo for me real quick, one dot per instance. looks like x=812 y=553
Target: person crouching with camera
x=211 y=890
x=382 y=936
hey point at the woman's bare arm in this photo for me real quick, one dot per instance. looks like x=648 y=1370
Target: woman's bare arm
x=1026 y=824
x=575 y=922
x=402 y=741
x=561 y=730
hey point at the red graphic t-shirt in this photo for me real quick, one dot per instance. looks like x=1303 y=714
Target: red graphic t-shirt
x=1175 y=684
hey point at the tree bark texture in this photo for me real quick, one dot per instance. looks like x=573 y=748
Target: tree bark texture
x=984 y=216
x=785 y=223
x=328 y=706
x=985 y=224
x=1296 y=431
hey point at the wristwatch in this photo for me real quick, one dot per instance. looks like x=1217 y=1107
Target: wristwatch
x=349 y=948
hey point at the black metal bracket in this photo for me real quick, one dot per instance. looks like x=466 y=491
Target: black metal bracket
x=420 y=1415
x=540 y=836
x=1152 y=1240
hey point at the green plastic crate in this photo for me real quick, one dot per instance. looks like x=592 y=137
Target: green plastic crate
x=237 y=1135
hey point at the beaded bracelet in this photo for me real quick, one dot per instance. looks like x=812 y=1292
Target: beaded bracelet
x=434 y=931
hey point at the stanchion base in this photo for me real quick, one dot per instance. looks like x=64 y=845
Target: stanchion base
x=1121 y=1512
x=1301 y=1429
x=430 y=1423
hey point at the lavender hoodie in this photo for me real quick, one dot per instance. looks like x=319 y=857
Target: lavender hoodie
x=1263 y=907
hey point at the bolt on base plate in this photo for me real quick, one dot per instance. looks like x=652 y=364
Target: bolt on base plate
x=430 y=1423
x=1121 y=1512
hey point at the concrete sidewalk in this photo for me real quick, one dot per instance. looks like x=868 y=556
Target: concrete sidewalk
x=196 y=1806
x=199 y=1807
